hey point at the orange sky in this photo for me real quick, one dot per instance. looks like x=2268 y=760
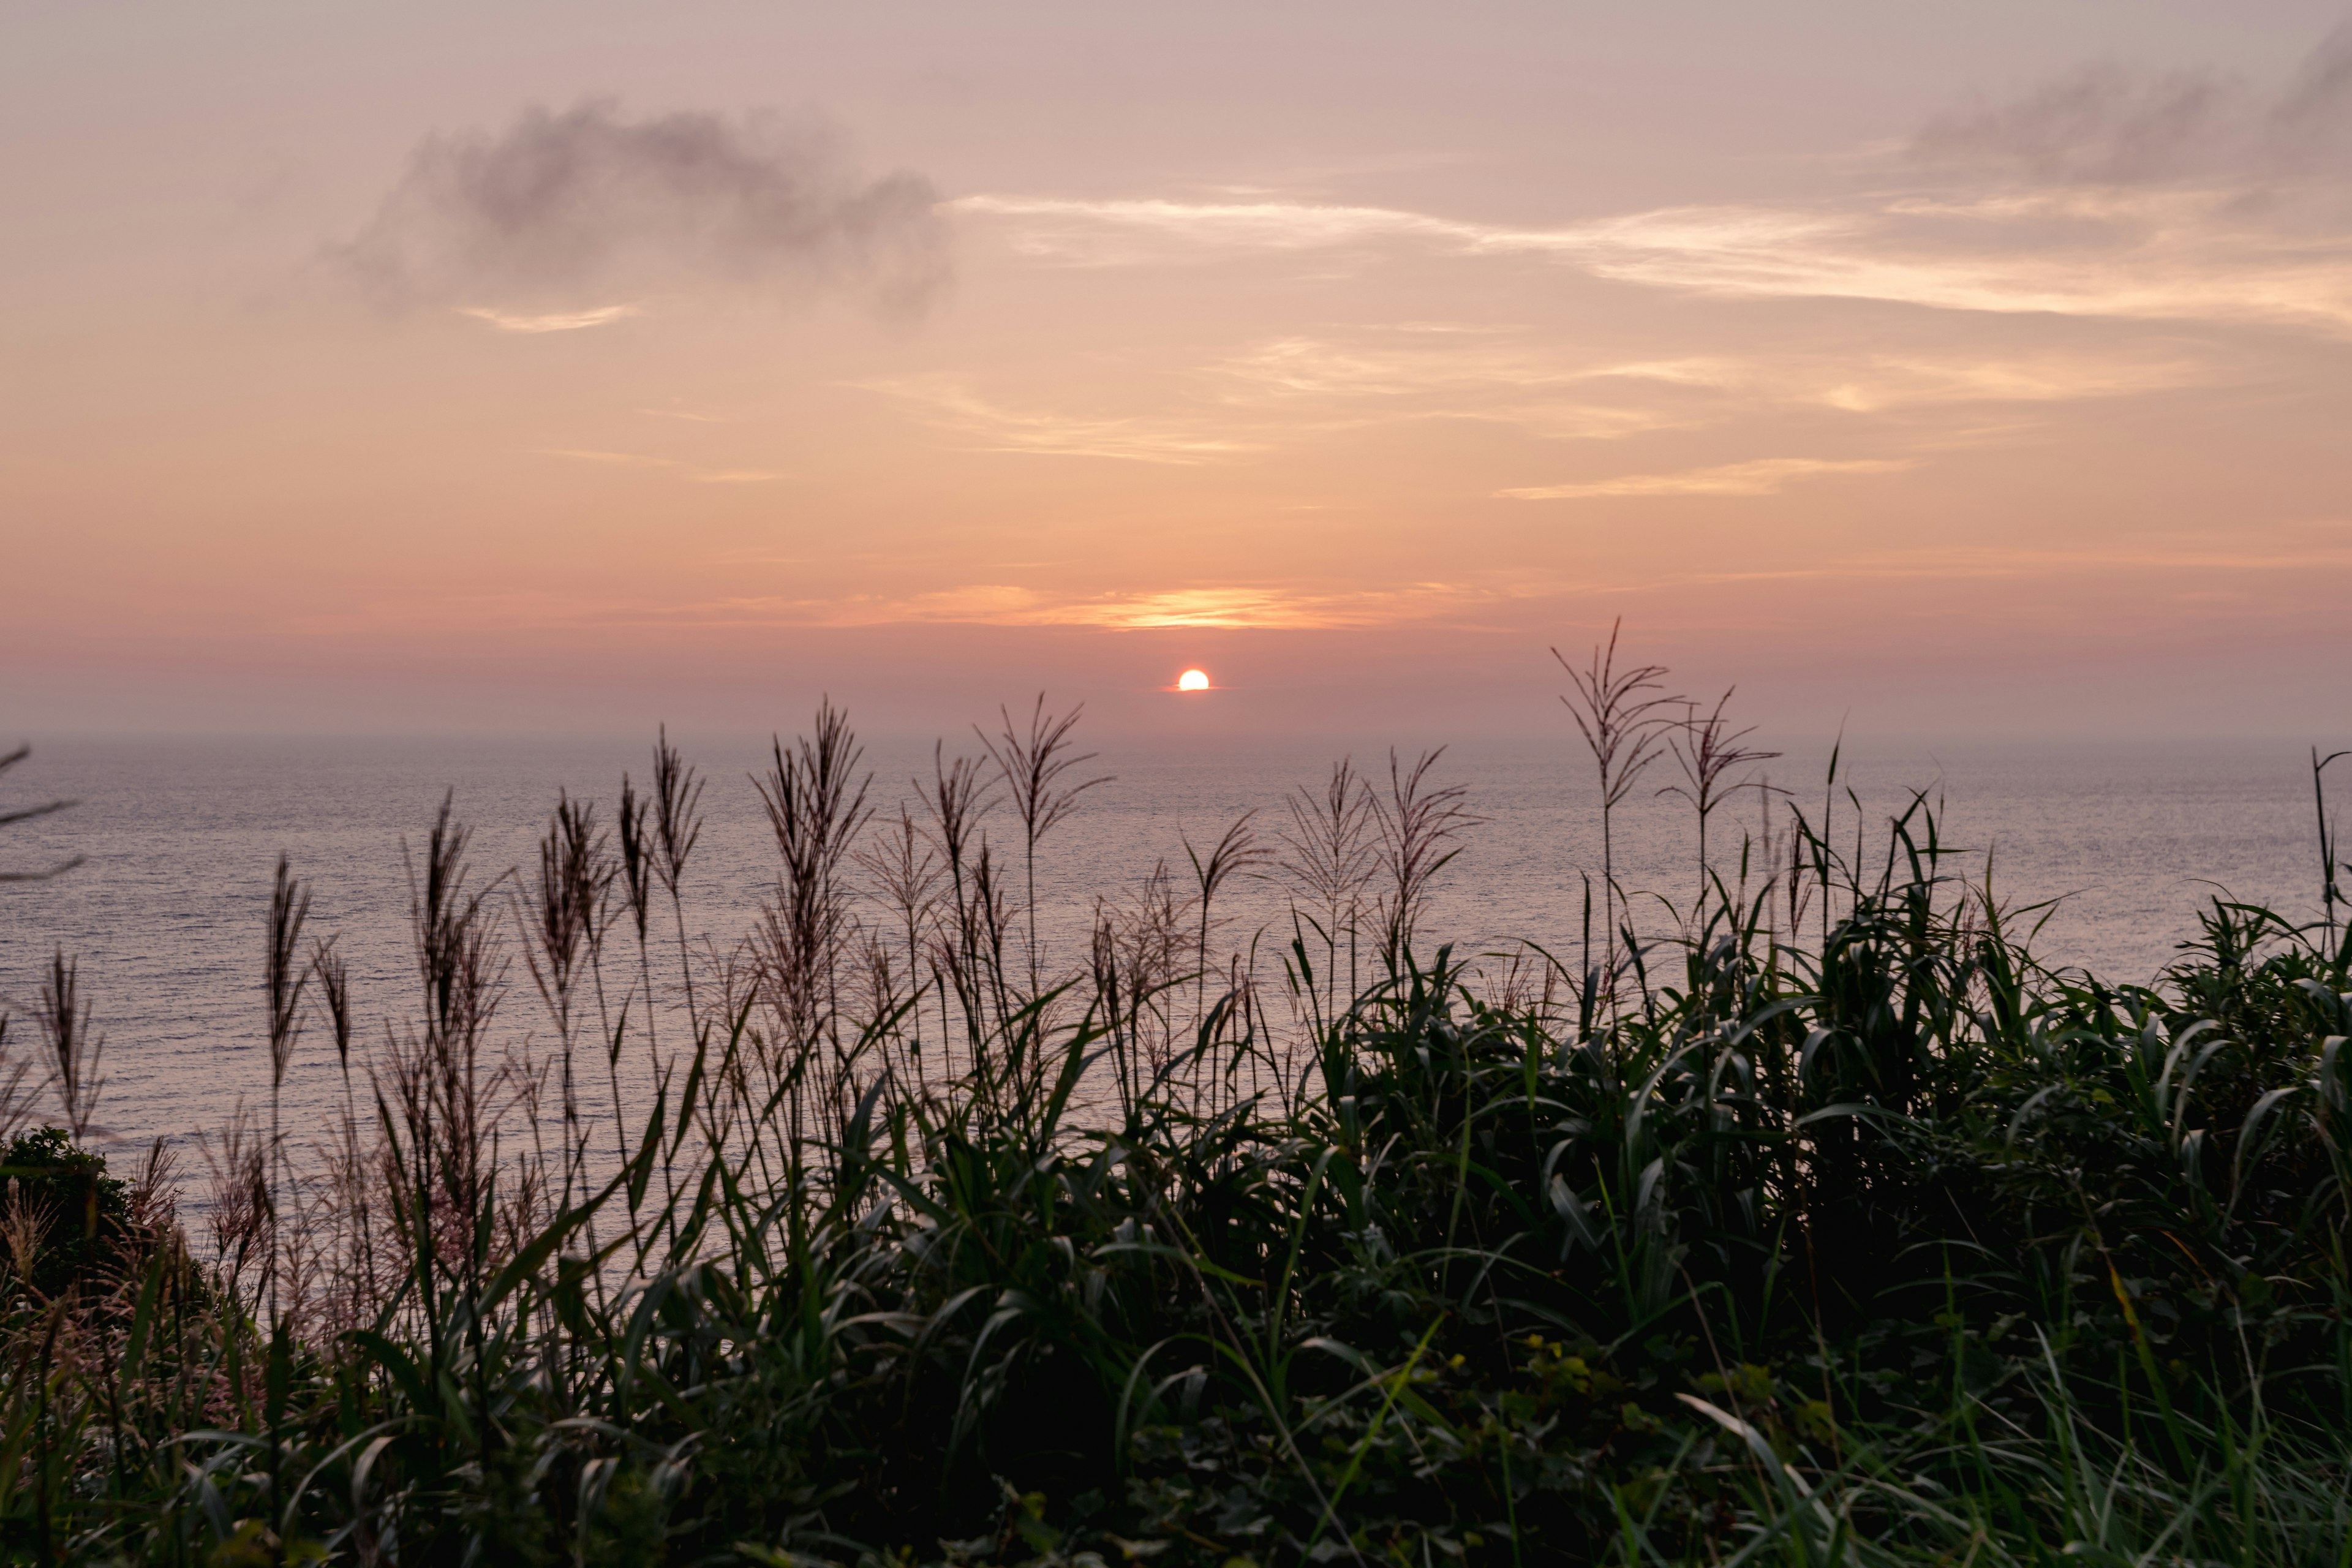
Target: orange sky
x=1974 y=369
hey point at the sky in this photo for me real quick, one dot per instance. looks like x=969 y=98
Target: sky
x=1968 y=369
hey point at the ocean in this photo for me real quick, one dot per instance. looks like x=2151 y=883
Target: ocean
x=2120 y=842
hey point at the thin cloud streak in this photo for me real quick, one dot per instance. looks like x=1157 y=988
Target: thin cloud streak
x=950 y=405
x=2178 y=255
x=573 y=321
x=1762 y=477
x=686 y=471
x=2025 y=564
x=1299 y=368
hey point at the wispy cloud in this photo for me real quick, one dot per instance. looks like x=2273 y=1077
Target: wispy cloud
x=1319 y=366
x=616 y=459
x=1544 y=388
x=951 y=403
x=2179 y=255
x=571 y=321
x=1763 y=477
x=2191 y=556
x=686 y=471
x=1887 y=382
x=1305 y=383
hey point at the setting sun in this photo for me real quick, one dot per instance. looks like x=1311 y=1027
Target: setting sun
x=1192 y=681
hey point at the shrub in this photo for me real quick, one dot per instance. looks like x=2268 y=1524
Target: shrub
x=61 y=1214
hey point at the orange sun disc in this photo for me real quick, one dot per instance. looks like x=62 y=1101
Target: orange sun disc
x=1192 y=681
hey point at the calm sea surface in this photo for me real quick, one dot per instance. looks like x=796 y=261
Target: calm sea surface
x=181 y=835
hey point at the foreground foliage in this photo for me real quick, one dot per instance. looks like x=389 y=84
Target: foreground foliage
x=1884 y=1245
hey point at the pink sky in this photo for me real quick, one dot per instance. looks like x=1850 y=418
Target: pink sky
x=1974 y=369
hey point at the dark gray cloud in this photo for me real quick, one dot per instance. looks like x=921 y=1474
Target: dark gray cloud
x=2312 y=121
x=565 y=210
x=2107 y=125
x=2103 y=125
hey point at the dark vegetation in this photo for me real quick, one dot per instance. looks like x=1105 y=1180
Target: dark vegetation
x=1807 y=1219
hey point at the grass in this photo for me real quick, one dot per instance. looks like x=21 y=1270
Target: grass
x=1822 y=1225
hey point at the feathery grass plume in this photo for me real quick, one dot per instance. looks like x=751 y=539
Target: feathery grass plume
x=637 y=877
x=989 y=994
x=285 y=979
x=454 y=943
x=1620 y=714
x=905 y=870
x=1529 y=984
x=564 y=917
x=1237 y=852
x=815 y=807
x=957 y=801
x=1033 y=764
x=440 y=1116
x=678 y=813
x=75 y=1045
x=678 y=827
x=237 y=1210
x=564 y=921
x=639 y=846
x=25 y=1222
x=1331 y=855
x=28 y=814
x=1706 y=750
x=334 y=976
x=1135 y=962
x=1421 y=828
x=348 y=1176
x=637 y=856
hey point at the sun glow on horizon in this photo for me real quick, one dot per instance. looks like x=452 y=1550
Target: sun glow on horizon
x=1192 y=681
